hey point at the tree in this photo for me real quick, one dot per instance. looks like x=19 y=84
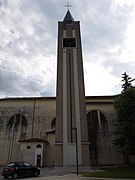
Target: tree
x=127 y=81
x=125 y=119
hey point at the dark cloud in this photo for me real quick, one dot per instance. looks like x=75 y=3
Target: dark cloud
x=15 y=84
x=29 y=43
x=9 y=82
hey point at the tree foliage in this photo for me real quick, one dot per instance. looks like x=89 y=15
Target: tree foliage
x=125 y=112
x=127 y=81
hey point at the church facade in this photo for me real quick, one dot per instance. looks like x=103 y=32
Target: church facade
x=28 y=128
x=44 y=131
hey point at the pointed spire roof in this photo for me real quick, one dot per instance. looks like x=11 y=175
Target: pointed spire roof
x=68 y=17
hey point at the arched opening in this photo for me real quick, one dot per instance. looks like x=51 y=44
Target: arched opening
x=16 y=129
x=38 y=146
x=97 y=126
x=18 y=123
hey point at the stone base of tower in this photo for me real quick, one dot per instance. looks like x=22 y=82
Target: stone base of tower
x=58 y=154
x=68 y=159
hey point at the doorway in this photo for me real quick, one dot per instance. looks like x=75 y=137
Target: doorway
x=39 y=156
x=38 y=160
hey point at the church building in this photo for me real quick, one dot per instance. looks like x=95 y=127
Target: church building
x=47 y=131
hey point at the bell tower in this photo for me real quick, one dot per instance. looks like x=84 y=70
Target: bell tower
x=71 y=123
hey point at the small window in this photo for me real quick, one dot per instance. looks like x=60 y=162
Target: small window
x=28 y=147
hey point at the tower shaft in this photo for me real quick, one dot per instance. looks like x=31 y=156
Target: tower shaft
x=70 y=100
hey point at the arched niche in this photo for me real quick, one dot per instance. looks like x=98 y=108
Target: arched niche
x=97 y=128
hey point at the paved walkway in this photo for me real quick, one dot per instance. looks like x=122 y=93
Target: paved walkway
x=63 y=177
x=70 y=177
x=63 y=174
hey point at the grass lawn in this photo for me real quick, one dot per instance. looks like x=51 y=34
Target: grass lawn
x=116 y=172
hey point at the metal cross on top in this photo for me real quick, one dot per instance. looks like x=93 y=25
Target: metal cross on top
x=68 y=5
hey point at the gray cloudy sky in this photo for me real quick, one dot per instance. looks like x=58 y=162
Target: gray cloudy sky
x=28 y=44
